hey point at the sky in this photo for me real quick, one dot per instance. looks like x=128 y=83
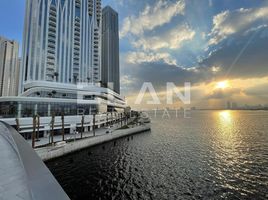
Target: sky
x=204 y=42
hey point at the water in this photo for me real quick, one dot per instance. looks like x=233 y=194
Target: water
x=212 y=155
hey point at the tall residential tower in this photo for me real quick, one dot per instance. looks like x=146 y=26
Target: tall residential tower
x=61 y=66
x=110 y=73
x=62 y=41
x=9 y=67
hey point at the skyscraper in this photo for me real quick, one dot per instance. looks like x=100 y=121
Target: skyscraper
x=9 y=67
x=61 y=65
x=62 y=41
x=110 y=72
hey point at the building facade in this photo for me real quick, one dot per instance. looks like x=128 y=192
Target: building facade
x=110 y=73
x=61 y=67
x=9 y=67
x=61 y=41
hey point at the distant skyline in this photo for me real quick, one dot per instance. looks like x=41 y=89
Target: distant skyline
x=202 y=42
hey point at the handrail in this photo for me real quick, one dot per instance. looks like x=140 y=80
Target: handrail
x=37 y=178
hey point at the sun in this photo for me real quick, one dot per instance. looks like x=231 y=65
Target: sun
x=222 y=85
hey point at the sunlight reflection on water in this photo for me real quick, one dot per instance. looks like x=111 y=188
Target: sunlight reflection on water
x=212 y=155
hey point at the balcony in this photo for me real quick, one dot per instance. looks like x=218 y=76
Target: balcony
x=77 y=3
x=77 y=39
x=51 y=68
x=52 y=29
x=52 y=24
x=50 y=63
x=53 y=13
x=76 y=64
x=52 y=18
x=51 y=58
x=51 y=36
x=51 y=52
x=76 y=48
x=51 y=41
x=76 y=58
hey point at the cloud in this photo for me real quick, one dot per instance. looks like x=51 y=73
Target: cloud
x=172 y=39
x=258 y=90
x=151 y=17
x=228 y=22
x=160 y=72
x=242 y=56
x=158 y=50
x=126 y=80
x=225 y=63
x=149 y=57
x=222 y=94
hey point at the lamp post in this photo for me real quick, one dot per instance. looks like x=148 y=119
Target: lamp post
x=94 y=123
x=18 y=124
x=38 y=127
x=106 y=119
x=34 y=132
x=82 y=126
x=52 y=128
x=121 y=114
x=62 y=126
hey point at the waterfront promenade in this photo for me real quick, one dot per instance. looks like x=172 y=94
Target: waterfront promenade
x=55 y=151
x=74 y=136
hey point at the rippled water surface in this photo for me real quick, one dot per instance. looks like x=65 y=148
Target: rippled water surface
x=212 y=155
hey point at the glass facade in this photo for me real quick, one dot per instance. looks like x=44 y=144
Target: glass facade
x=29 y=109
x=61 y=37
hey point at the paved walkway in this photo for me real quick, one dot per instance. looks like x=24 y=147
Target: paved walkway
x=58 y=138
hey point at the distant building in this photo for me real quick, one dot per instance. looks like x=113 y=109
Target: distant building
x=110 y=72
x=9 y=67
x=234 y=106
x=228 y=106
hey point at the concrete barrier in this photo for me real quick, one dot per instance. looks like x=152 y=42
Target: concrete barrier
x=23 y=175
